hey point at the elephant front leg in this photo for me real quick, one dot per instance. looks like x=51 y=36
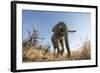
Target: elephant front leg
x=57 y=47
x=62 y=46
x=58 y=50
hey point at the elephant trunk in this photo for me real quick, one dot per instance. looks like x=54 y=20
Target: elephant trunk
x=67 y=45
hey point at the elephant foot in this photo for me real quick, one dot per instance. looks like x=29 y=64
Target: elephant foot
x=68 y=55
x=62 y=51
x=58 y=53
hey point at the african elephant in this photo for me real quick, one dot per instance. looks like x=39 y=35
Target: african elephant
x=61 y=34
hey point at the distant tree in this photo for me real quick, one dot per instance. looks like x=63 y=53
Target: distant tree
x=32 y=38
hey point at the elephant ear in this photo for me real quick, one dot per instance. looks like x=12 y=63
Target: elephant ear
x=64 y=26
x=55 y=27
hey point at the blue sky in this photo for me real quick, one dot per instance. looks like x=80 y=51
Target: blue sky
x=44 y=21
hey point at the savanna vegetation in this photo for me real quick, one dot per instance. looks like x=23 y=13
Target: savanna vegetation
x=34 y=52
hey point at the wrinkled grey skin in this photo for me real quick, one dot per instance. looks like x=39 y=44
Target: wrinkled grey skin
x=61 y=34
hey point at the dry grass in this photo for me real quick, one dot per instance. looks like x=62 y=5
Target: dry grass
x=40 y=55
